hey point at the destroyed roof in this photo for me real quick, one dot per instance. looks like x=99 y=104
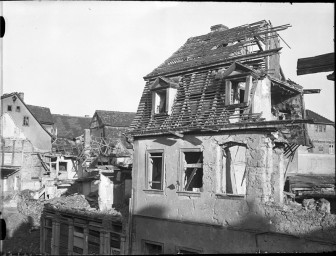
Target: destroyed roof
x=318 y=118
x=42 y=114
x=115 y=118
x=70 y=126
x=219 y=46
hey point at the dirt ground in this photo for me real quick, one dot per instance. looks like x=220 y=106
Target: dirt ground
x=19 y=238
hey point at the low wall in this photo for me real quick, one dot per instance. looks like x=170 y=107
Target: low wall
x=309 y=163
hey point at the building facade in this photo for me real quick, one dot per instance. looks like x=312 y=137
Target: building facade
x=216 y=129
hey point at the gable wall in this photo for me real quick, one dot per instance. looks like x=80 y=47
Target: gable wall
x=34 y=132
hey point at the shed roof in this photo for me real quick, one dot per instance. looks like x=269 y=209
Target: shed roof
x=42 y=114
x=70 y=126
x=115 y=118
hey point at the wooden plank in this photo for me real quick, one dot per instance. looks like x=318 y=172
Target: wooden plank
x=319 y=63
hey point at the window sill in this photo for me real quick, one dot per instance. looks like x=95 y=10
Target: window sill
x=189 y=193
x=153 y=191
x=230 y=196
x=161 y=114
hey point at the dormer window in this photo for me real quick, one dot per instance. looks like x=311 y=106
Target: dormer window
x=163 y=94
x=160 y=101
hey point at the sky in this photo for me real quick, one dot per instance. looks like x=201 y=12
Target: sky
x=76 y=57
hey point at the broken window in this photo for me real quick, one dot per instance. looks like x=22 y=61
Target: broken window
x=233 y=176
x=192 y=173
x=152 y=248
x=9 y=108
x=155 y=170
x=78 y=242
x=25 y=121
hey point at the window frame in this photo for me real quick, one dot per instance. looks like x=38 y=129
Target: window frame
x=144 y=242
x=181 y=190
x=155 y=95
x=9 y=108
x=148 y=171
x=221 y=187
x=25 y=121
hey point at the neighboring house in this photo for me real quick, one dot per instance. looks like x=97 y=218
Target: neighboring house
x=70 y=127
x=24 y=140
x=320 y=157
x=215 y=130
x=44 y=116
x=110 y=127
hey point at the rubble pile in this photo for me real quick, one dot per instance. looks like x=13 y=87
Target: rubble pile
x=309 y=219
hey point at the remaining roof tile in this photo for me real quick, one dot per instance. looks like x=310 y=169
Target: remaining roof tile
x=70 y=126
x=115 y=118
x=42 y=114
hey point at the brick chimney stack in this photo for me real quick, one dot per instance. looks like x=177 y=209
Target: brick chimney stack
x=219 y=27
x=21 y=95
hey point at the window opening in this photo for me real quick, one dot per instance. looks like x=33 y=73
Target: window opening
x=18 y=109
x=78 y=243
x=25 y=121
x=115 y=242
x=93 y=242
x=63 y=242
x=193 y=171
x=63 y=166
x=9 y=107
x=48 y=235
x=234 y=170
x=331 y=149
x=160 y=101
x=152 y=248
x=155 y=170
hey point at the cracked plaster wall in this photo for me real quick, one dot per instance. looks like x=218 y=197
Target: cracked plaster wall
x=197 y=222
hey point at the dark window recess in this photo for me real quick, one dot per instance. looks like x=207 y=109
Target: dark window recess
x=94 y=242
x=63 y=166
x=161 y=102
x=115 y=241
x=48 y=235
x=18 y=109
x=155 y=171
x=193 y=168
x=25 y=121
x=185 y=251
x=78 y=243
x=152 y=249
x=64 y=238
x=9 y=108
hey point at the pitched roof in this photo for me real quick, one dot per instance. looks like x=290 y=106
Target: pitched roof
x=115 y=118
x=217 y=47
x=70 y=126
x=318 y=118
x=42 y=114
x=17 y=95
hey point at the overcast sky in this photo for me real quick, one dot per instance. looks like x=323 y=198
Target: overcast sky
x=78 y=57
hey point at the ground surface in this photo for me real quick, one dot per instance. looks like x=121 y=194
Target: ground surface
x=19 y=238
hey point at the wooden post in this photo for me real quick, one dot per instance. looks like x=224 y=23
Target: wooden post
x=228 y=90
x=248 y=87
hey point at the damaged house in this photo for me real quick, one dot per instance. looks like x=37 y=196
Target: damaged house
x=216 y=129
x=24 y=140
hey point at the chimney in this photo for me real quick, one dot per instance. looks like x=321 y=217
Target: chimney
x=21 y=95
x=219 y=27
